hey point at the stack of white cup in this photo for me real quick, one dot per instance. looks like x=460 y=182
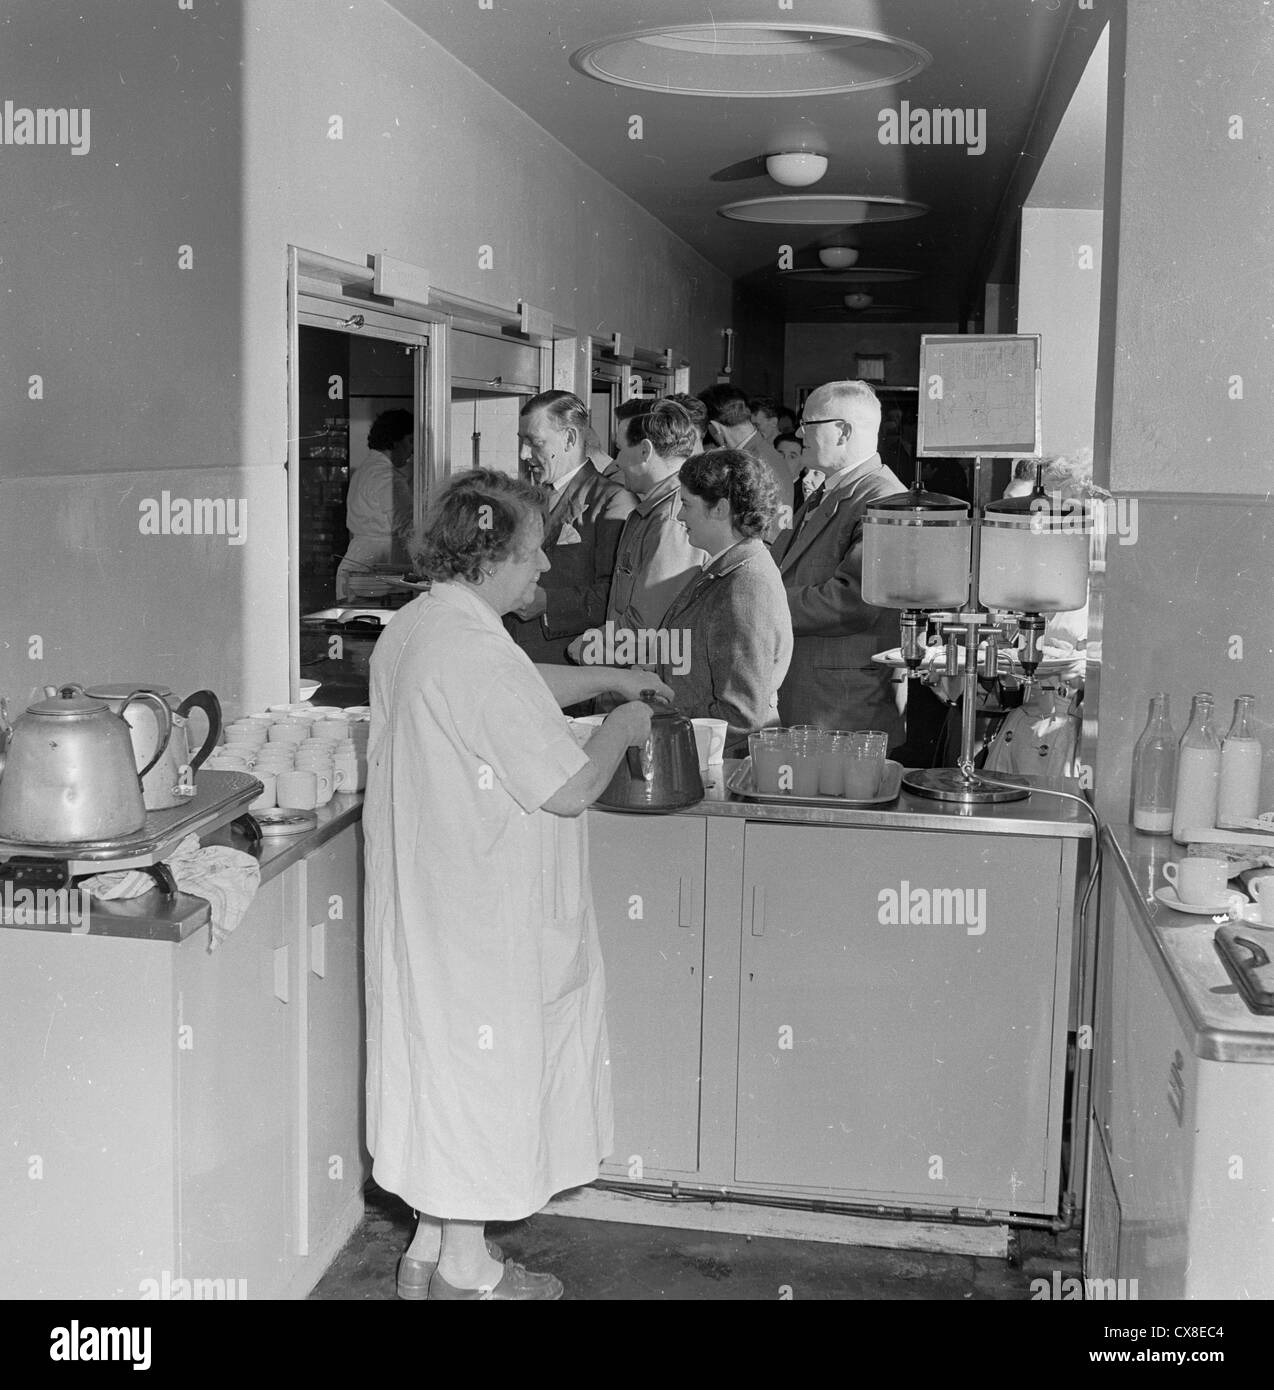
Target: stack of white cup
x=302 y=755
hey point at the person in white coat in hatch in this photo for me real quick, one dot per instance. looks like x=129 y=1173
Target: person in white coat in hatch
x=487 y=1073
x=378 y=508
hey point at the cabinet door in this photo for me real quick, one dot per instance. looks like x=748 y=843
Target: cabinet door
x=647 y=875
x=234 y=1090
x=899 y=1026
x=334 y=1161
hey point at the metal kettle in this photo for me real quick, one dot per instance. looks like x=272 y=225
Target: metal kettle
x=171 y=779
x=663 y=773
x=68 y=771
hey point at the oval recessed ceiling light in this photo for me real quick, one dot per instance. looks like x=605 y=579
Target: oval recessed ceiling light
x=740 y=59
x=821 y=209
x=838 y=257
x=857 y=275
x=857 y=301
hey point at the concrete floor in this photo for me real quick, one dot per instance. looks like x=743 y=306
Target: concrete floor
x=602 y=1260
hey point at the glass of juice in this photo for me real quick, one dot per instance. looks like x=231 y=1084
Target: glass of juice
x=770 y=752
x=831 y=762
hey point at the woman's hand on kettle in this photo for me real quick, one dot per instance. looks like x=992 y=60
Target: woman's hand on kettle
x=633 y=719
x=632 y=682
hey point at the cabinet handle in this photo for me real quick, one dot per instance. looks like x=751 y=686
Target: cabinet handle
x=318 y=949
x=758 y=910
x=281 y=973
x=686 y=903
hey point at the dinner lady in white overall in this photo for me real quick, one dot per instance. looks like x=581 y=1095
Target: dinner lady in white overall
x=487 y=1081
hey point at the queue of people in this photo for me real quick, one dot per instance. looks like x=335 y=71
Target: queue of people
x=488 y=1075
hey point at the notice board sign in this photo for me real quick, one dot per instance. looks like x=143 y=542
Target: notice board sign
x=979 y=395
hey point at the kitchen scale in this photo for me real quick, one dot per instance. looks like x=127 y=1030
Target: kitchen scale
x=220 y=798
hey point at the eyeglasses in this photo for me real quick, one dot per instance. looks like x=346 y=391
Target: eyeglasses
x=802 y=423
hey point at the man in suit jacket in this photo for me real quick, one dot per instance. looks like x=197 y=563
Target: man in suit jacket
x=581 y=534
x=832 y=681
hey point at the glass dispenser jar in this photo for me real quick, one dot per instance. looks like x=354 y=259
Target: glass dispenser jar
x=1035 y=554
x=916 y=551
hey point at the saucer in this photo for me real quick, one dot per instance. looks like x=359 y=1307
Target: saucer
x=1229 y=907
x=1250 y=912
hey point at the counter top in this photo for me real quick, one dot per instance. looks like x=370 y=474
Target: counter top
x=153 y=917
x=1205 y=999
x=1036 y=815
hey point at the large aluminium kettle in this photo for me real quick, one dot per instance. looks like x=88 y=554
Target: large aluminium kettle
x=68 y=772
x=663 y=773
x=172 y=779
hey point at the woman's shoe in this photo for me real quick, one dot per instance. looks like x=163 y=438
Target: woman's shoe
x=516 y=1282
x=414 y=1275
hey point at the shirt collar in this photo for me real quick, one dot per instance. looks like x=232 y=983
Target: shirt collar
x=836 y=481
x=662 y=490
x=560 y=485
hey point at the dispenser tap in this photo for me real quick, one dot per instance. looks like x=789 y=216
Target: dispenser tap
x=1031 y=626
x=914 y=624
x=991 y=657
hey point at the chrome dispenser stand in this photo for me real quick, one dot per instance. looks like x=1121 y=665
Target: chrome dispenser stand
x=962 y=784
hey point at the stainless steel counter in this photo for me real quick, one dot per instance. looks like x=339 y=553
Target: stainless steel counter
x=1036 y=815
x=1205 y=1000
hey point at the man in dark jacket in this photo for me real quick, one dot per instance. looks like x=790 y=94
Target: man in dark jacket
x=832 y=681
x=581 y=534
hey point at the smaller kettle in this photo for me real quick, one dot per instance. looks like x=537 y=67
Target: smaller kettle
x=69 y=773
x=171 y=780
x=663 y=773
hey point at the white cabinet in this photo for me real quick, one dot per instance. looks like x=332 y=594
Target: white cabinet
x=648 y=892
x=179 y=1115
x=905 y=1051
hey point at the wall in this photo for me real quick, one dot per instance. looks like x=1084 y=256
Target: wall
x=819 y=352
x=209 y=129
x=1059 y=297
x=1189 y=236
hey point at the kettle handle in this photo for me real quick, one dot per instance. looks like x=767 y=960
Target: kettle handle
x=211 y=706
x=641 y=760
x=165 y=724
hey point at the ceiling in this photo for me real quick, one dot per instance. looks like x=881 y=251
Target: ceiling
x=1018 y=61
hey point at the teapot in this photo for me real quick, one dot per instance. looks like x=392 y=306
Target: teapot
x=69 y=776
x=663 y=773
x=171 y=780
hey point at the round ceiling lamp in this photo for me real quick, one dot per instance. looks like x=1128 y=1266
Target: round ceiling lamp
x=742 y=59
x=855 y=275
x=823 y=209
x=796 y=168
x=858 y=300
x=838 y=257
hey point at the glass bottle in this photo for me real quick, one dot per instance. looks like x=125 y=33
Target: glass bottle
x=1154 y=771
x=1240 y=790
x=1198 y=772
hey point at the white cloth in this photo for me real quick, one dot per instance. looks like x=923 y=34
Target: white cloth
x=488 y=1084
x=228 y=878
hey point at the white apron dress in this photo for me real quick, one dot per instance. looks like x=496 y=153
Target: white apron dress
x=488 y=1082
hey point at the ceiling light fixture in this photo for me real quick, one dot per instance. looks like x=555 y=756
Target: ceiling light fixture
x=858 y=300
x=838 y=257
x=796 y=168
x=752 y=59
x=823 y=209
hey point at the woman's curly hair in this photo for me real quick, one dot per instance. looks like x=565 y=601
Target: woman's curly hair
x=745 y=483
x=474 y=522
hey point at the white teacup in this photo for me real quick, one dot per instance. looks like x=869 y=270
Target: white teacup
x=227 y=762
x=288 y=732
x=1199 y=880
x=302 y=790
x=710 y=740
x=330 y=730
x=267 y=798
x=1262 y=889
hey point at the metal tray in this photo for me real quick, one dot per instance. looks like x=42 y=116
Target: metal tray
x=741 y=784
x=219 y=797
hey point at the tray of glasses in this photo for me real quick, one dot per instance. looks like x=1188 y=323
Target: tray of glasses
x=742 y=783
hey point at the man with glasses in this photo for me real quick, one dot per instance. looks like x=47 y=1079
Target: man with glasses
x=832 y=681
